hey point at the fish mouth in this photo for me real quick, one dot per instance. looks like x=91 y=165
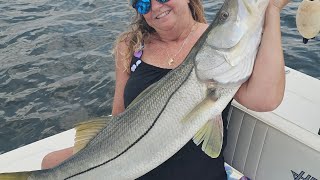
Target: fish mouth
x=163 y=14
x=255 y=6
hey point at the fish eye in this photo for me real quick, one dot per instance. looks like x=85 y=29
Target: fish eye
x=224 y=15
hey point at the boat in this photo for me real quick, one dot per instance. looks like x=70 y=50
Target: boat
x=283 y=144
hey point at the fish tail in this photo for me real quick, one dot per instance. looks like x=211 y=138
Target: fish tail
x=15 y=176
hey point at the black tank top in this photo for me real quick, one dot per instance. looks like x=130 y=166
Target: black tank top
x=190 y=162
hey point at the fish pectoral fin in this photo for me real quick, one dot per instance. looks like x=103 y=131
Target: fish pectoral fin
x=85 y=131
x=15 y=176
x=211 y=136
x=201 y=108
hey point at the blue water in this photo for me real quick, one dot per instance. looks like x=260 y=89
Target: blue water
x=57 y=68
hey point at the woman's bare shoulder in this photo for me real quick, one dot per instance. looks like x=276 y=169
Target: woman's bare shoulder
x=123 y=41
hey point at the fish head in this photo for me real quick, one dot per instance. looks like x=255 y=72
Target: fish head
x=231 y=42
x=234 y=20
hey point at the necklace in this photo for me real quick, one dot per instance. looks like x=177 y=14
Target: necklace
x=172 y=59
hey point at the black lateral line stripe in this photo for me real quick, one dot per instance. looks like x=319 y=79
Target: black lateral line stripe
x=94 y=167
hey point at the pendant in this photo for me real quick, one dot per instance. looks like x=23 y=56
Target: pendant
x=171 y=61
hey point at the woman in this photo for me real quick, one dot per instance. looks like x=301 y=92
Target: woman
x=162 y=37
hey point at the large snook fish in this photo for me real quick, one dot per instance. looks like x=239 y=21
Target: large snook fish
x=185 y=104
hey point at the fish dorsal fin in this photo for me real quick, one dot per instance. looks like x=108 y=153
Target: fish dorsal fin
x=142 y=94
x=85 y=131
x=15 y=176
x=211 y=136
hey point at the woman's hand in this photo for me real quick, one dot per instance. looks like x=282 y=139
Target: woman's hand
x=278 y=4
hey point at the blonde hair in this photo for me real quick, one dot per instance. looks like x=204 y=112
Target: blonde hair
x=139 y=31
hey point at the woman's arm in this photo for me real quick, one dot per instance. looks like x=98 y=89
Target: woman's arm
x=264 y=90
x=122 y=77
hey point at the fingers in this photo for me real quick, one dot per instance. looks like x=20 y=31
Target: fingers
x=280 y=4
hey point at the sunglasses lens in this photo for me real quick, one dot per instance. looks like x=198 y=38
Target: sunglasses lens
x=142 y=6
x=162 y=1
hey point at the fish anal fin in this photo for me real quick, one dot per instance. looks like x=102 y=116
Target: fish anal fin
x=211 y=137
x=85 y=131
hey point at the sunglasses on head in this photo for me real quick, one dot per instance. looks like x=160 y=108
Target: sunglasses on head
x=143 y=6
